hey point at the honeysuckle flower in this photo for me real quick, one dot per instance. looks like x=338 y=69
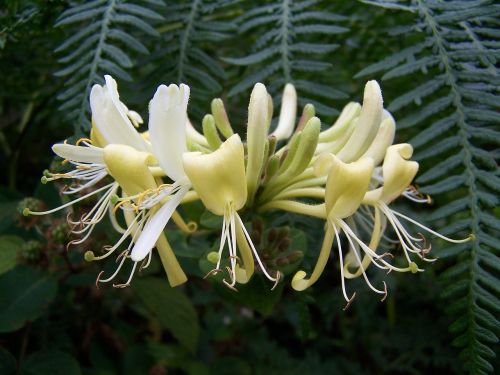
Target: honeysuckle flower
x=167 y=129
x=397 y=174
x=345 y=188
x=111 y=124
x=130 y=168
x=351 y=170
x=219 y=180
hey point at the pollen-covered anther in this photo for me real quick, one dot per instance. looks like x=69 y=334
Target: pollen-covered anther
x=214 y=271
x=385 y=292
x=277 y=280
x=83 y=140
x=349 y=302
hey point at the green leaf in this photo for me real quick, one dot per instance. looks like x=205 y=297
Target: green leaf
x=172 y=308
x=9 y=246
x=24 y=294
x=50 y=362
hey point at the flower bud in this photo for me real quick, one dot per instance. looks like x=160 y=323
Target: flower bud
x=368 y=124
x=307 y=113
x=288 y=112
x=258 y=126
x=345 y=119
x=383 y=139
x=210 y=132
x=221 y=119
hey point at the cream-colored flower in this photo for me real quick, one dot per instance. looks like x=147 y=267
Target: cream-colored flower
x=219 y=180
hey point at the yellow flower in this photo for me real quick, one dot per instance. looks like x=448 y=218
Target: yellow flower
x=219 y=180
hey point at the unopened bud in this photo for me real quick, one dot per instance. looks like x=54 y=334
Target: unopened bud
x=220 y=117
x=305 y=150
x=288 y=113
x=272 y=235
x=307 y=113
x=210 y=132
x=284 y=244
x=282 y=261
x=258 y=126
x=295 y=256
x=368 y=124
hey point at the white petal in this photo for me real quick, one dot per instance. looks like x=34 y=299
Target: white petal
x=155 y=225
x=110 y=116
x=287 y=113
x=167 y=127
x=79 y=153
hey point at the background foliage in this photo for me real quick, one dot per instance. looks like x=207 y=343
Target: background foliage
x=438 y=65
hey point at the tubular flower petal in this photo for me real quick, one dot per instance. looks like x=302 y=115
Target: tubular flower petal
x=167 y=127
x=346 y=185
x=110 y=117
x=129 y=168
x=219 y=177
x=398 y=172
x=383 y=139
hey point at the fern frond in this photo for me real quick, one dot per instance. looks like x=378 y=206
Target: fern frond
x=100 y=44
x=182 y=55
x=453 y=112
x=288 y=49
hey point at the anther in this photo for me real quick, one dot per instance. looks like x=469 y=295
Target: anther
x=349 y=302
x=385 y=292
x=215 y=271
x=98 y=279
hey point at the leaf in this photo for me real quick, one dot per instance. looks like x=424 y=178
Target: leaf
x=172 y=308
x=24 y=294
x=9 y=246
x=50 y=362
x=99 y=44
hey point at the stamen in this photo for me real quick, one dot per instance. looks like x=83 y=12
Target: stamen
x=124 y=257
x=430 y=230
x=39 y=213
x=341 y=257
x=129 y=279
x=256 y=254
x=86 y=140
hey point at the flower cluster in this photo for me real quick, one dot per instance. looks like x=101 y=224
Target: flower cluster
x=352 y=170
